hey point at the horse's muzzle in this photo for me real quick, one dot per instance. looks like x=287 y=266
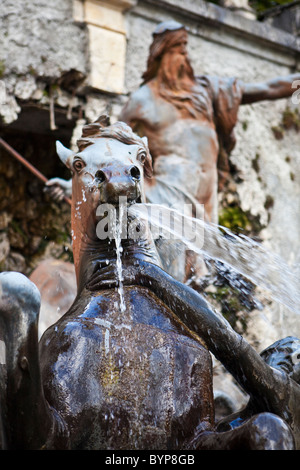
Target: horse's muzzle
x=115 y=182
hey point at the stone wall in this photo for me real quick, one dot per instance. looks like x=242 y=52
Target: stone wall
x=285 y=17
x=53 y=60
x=40 y=42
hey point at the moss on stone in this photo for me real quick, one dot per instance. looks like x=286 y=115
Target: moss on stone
x=255 y=164
x=291 y=119
x=231 y=307
x=245 y=125
x=2 y=68
x=261 y=6
x=234 y=218
x=269 y=202
x=278 y=132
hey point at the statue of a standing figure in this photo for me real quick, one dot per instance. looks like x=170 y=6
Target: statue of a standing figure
x=189 y=122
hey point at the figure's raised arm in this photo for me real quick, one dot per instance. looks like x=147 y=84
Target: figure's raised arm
x=280 y=87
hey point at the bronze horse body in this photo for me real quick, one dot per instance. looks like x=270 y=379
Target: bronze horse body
x=109 y=377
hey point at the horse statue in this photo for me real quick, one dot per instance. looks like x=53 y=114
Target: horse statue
x=128 y=366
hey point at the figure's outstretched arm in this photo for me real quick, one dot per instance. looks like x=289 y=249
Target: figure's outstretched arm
x=280 y=87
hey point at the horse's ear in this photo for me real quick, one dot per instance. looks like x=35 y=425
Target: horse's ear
x=145 y=140
x=64 y=153
x=103 y=120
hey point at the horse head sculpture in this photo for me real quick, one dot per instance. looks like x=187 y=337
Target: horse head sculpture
x=111 y=164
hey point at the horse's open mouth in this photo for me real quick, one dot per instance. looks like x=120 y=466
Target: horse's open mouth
x=125 y=201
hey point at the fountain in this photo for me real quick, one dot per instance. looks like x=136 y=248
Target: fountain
x=129 y=365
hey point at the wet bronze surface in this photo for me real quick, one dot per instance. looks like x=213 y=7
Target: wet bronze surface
x=132 y=380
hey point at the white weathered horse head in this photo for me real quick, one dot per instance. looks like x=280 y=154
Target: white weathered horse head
x=111 y=159
x=111 y=164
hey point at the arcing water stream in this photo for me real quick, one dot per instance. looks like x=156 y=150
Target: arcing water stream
x=245 y=256
x=117 y=232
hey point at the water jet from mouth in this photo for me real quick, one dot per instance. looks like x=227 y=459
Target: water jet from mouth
x=262 y=267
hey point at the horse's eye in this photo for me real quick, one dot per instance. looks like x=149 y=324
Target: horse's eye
x=78 y=165
x=142 y=157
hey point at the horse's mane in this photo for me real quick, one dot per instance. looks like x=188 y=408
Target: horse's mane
x=120 y=131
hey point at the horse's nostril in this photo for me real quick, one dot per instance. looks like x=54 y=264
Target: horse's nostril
x=100 y=176
x=135 y=173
